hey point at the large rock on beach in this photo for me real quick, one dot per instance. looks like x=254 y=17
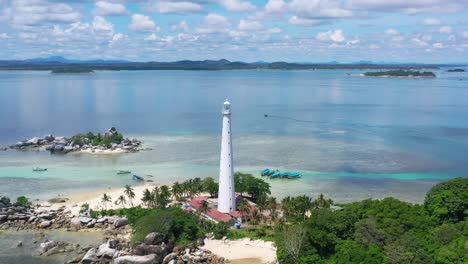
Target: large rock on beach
x=104 y=251
x=46 y=246
x=120 y=222
x=85 y=220
x=154 y=238
x=45 y=224
x=90 y=257
x=148 y=259
x=169 y=258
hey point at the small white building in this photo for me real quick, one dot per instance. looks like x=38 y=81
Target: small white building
x=226 y=194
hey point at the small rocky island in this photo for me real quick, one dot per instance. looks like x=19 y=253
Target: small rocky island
x=400 y=74
x=110 y=142
x=456 y=70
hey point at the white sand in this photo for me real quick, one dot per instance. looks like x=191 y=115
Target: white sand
x=100 y=151
x=94 y=199
x=243 y=249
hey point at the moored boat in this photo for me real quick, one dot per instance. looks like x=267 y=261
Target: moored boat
x=39 y=169
x=138 y=178
x=294 y=175
x=265 y=172
x=276 y=174
x=124 y=172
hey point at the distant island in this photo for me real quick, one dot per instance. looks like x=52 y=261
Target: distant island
x=110 y=142
x=57 y=64
x=71 y=70
x=456 y=70
x=401 y=73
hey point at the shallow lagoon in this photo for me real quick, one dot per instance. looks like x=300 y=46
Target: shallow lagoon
x=353 y=137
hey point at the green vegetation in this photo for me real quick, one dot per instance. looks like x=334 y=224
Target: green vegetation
x=72 y=70
x=256 y=188
x=23 y=201
x=263 y=232
x=385 y=231
x=448 y=201
x=113 y=137
x=400 y=73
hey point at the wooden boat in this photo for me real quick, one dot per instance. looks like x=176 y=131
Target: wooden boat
x=124 y=172
x=138 y=178
x=294 y=175
x=265 y=172
x=39 y=169
x=276 y=174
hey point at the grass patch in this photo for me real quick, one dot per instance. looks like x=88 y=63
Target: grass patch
x=255 y=232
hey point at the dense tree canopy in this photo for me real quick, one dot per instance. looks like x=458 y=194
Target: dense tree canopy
x=448 y=201
x=381 y=231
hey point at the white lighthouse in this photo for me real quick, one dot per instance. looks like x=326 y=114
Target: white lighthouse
x=227 y=194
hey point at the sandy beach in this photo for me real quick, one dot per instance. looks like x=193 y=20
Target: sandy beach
x=243 y=250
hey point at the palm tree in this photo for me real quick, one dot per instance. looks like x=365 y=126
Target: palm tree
x=177 y=190
x=130 y=194
x=105 y=199
x=272 y=205
x=121 y=201
x=256 y=217
x=321 y=202
x=204 y=207
x=244 y=208
x=147 y=197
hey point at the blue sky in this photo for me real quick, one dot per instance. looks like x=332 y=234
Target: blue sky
x=428 y=31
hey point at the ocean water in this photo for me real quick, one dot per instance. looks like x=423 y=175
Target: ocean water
x=352 y=137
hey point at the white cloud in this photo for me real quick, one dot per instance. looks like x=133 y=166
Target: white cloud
x=237 y=5
x=275 y=6
x=295 y=20
x=431 y=22
x=438 y=45
x=102 y=25
x=142 y=23
x=35 y=12
x=392 y=31
x=104 y=8
x=4 y=36
x=409 y=7
x=182 y=26
x=213 y=23
x=445 y=30
x=151 y=37
x=320 y=9
x=246 y=25
x=331 y=36
x=176 y=7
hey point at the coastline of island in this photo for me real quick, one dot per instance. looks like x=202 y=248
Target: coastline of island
x=110 y=142
x=400 y=74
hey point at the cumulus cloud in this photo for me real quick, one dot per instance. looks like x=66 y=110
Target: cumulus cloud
x=151 y=37
x=213 y=23
x=102 y=25
x=438 y=45
x=392 y=31
x=275 y=6
x=331 y=36
x=464 y=34
x=182 y=26
x=431 y=22
x=295 y=20
x=246 y=25
x=176 y=7
x=237 y=5
x=320 y=9
x=35 y=12
x=445 y=30
x=142 y=23
x=104 y=8
x=4 y=36
x=409 y=7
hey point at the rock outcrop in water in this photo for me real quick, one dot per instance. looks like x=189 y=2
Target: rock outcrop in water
x=111 y=140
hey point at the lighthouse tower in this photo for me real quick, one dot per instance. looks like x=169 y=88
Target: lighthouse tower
x=226 y=195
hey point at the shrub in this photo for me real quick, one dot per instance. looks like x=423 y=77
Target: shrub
x=23 y=201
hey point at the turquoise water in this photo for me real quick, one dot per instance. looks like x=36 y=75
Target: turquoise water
x=352 y=137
